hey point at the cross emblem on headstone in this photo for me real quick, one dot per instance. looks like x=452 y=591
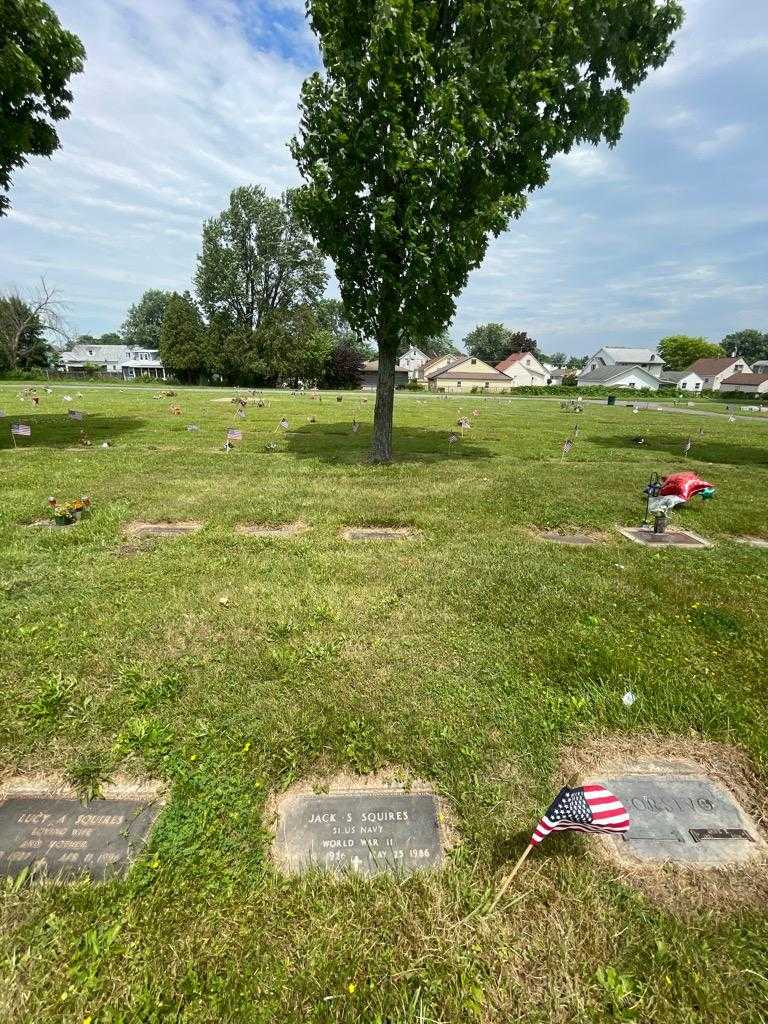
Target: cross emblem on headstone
x=356 y=863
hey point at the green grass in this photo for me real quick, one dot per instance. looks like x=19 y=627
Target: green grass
x=471 y=656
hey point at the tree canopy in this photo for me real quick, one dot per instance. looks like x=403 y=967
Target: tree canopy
x=429 y=127
x=144 y=321
x=750 y=344
x=37 y=59
x=494 y=342
x=680 y=350
x=256 y=260
x=23 y=345
x=182 y=337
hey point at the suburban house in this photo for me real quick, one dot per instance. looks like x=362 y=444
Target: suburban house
x=746 y=383
x=683 y=380
x=760 y=366
x=646 y=359
x=413 y=359
x=555 y=374
x=371 y=375
x=434 y=364
x=462 y=373
x=524 y=370
x=118 y=360
x=714 y=371
x=619 y=376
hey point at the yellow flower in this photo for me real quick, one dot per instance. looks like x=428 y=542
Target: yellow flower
x=351 y=987
x=88 y=1020
x=247 y=747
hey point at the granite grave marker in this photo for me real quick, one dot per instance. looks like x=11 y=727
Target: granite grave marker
x=360 y=831
x=671 y=538
x=61 y=838
x=686 y=818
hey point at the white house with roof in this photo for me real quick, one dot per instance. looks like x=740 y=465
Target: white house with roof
x=633 y=377
x=128 y=362
x=647 y=359
x=413 y=359
x=682 y=380
x=746 y=383
x=714 y=371
x=524 y=370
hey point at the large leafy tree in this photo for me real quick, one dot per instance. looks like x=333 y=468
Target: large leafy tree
x=37 y=59
x=257 y=260
x=432 y=122
x=23 y=345
x=181 y=338
x=749 y=344
x=494 y=342
x=680 y=350
x=144 y=321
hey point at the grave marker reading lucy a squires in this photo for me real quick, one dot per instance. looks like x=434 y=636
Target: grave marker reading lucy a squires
x=60 y=838
x=360 y=831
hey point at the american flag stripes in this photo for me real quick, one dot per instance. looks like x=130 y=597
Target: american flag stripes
x=234 y=435
x=21 y=429
x=588 y=808
x=75 y=415
x=687 y=446
x=567 y=446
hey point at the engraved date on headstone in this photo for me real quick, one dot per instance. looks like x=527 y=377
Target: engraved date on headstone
x=61 y=838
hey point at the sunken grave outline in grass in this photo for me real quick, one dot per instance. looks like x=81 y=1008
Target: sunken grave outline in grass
x=140 y=529
x=357 y=534
x=642 y=535
x=47 y=830
x=267 y=530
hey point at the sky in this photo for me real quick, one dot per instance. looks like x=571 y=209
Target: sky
x=183 y=100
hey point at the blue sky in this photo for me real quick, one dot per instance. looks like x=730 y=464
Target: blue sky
x=182 y=100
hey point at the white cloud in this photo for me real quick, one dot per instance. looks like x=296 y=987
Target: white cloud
x=722 y=138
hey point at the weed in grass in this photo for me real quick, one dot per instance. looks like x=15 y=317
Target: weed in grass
x=88 y=775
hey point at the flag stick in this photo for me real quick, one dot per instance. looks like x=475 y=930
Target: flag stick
x=13 y=438
x=508 y=880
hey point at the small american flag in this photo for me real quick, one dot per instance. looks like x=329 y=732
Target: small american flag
x=588 y=808
x=75 y=415
x=355 y=426
x=234 y=435
x=567 y=446
x=687 y=446
x=240 y=413
x=452 y=439
x=283 y=423
x=21 y=429
x=731 y=419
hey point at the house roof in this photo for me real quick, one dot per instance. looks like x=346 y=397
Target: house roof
x=607 y=374
x=632 y=355
x=436 y=359
x=514 y=357
x=711 y=367
x=673 y=376
x=454 y=361
x=747 y=378
x=372 y=366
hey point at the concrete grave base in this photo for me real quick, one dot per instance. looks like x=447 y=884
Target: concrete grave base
x=285 y=530
x=360 y=826
x=45 y=829
x=670 y=539
x=397 y=533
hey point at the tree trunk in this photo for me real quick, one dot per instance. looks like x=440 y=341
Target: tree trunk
x=381 y=447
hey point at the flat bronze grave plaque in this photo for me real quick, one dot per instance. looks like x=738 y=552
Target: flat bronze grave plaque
x=60 y=838
x=359 y=831
x=670 y=539
x=375 y=533
x=285 y=530
x=568 y=538
x=689 y=819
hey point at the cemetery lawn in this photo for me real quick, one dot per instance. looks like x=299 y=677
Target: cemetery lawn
x=230 y=667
